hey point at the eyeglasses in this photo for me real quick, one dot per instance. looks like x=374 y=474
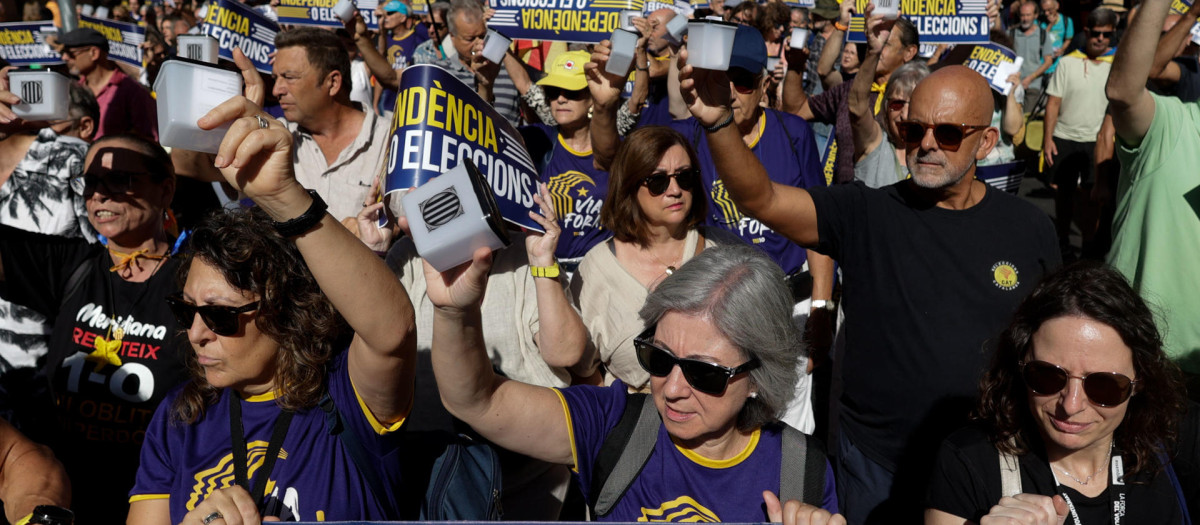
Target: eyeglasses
x=706 y=377
x=114 y=182
x=222 y=320
x=1104 y=389
x=436 y=26
x=1100 y=34
x=552 y=93
x=744 y=82
x=658 y=183
x=72 y=52
x=948 y=136
x=897 y=104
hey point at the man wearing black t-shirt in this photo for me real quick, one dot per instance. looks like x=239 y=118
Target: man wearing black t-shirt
x=933 y=267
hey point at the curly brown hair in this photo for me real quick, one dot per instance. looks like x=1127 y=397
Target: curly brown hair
x=244 y=247
x=636 y=159
x=1100 y=293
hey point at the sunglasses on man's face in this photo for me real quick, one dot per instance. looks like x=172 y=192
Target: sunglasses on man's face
x=222 y=320
x=948 y=136
x=743 y=82
x=1104 y=389
x=658 y=183
x=706 y=377
x=1100 y=34
x=552 y=93
x=436 y=26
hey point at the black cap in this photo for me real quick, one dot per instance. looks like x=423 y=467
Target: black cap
x=84 y=36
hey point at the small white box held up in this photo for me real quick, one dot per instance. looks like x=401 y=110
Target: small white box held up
x=495 y=46
x=710 y=43
x=624 y=47
x=345 y=10
x=888 y=9
x=676 y=29
x=101 y=12
x=43 y=94
x=453 y=215
x=799 y=38
x=625 y=19
x=198 y=47
x=186 y=91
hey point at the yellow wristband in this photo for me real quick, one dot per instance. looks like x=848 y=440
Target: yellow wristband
x=25 y=520
x=549 y=272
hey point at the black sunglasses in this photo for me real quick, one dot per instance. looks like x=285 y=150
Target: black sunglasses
x=552 y=93
x=114 y=182
x=658 y=183
x=1104 y=389
x=1100 y=34
x=706 y=377
x=744 y=82
x=222 y=320
x=948 y=136
x=437 y=26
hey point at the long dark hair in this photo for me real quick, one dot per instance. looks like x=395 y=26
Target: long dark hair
x=1099 y=293
x=244 y=247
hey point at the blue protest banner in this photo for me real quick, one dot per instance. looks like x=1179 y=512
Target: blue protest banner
x=586 y=21
x=937 y=21
x=23 y=43
x=235 y=25
x=801 y=3
x=124 y=40
x=438 y=121
x=320 y=13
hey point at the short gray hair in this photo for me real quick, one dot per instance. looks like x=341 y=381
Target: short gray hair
x=905 y=78
x=440 y=7
x=470 y=8
x=742 y=292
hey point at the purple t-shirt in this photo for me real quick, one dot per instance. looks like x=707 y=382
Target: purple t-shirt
x=676 y=485
x=314 y=478
x=788 y=152
x=578 y=190
x=399 y=54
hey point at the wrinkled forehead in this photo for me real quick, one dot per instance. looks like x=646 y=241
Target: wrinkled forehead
x=945 y=100
x=117 y=159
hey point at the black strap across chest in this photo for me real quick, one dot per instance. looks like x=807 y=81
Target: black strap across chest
x=240 y=459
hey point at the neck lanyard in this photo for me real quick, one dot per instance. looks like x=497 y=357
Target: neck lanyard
x=240 y=461
x=1116 y=484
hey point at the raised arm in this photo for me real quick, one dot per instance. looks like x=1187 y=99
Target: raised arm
x=606 y=100
x=257 y=159
x=561 y=338
x=785 y=209
x=375 y=61
x=1131 y=105
x=795 y=100
x=29 y=475
x=523 y=418
x=867 y=134
x=1014 y=118
x=1164 y=69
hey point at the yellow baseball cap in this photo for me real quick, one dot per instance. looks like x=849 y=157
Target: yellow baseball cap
x=567 y=71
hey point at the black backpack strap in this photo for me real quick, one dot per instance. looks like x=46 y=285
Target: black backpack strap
x=354 y=447
x=802 y=473
x=624 y=453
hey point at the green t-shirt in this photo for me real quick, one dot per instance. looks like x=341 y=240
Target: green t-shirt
x=1156 y=240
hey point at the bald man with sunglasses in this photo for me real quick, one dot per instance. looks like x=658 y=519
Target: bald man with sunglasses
x=933 y=266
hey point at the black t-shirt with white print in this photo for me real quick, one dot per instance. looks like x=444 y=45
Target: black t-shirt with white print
x=106 y=390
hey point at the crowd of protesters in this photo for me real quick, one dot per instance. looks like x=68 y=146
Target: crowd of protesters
x=797 y=272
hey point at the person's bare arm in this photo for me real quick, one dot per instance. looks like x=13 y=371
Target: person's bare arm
x=1014 y=116
x=795 y=100
x=867 y=134
x=517 y=72
x=1047 y=61
x=149 y=512
x=606 y=99
x=641 y=73
x=523 y=418
x=1131 y=105
x=831 y=54
x=29 y=475
x=1106 y=166
x=1164 y=69
x=1049 y=148
x=786 y=209
x=561 y=337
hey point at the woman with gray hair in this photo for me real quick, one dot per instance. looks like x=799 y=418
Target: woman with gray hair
x=722 y=353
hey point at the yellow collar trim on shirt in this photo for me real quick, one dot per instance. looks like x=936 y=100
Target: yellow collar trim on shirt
x=1106 y=57
x=405 y=35
x=762 y=126
x=267 y=396
x=563 y=141
x=723 y=463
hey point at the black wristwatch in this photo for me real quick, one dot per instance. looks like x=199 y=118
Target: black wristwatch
x=51 y=515
x=306 y=221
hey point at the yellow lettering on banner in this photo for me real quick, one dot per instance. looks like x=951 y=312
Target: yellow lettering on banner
x=228 y=19
x=991 y=56
x=454 y=114
x=435 y=106
x=1178 y=6
x=921 y=7
x=416 y=106
x=9 y=37
x=560 y=20
x=111 y=33
x=469 y=131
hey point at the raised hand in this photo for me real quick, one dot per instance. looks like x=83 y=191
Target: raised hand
x=605 y=87
x=706 y=92
x=793 y=512
x=256 y=157
x=1028 y=509
x=254 y=89
x=541 y=246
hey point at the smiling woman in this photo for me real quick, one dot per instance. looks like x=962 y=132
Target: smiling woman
x=1088 y=407
x=114 y=351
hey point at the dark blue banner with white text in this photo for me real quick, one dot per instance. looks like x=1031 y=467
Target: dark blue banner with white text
x=937 y=21
x=586 y=21
x=24 y=44
x=235 y=25
x=124 y=40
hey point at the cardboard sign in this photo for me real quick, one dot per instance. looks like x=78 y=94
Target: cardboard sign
x=235 y=25
x=438 y=121
x=319 y=13
x=420 y=7
x=24 y=43
x=587 y=21
x=124 y=40
x=937 y=21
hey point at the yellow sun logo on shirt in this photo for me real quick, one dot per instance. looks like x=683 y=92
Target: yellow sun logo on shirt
x=681 y=509
x=1005 y=276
